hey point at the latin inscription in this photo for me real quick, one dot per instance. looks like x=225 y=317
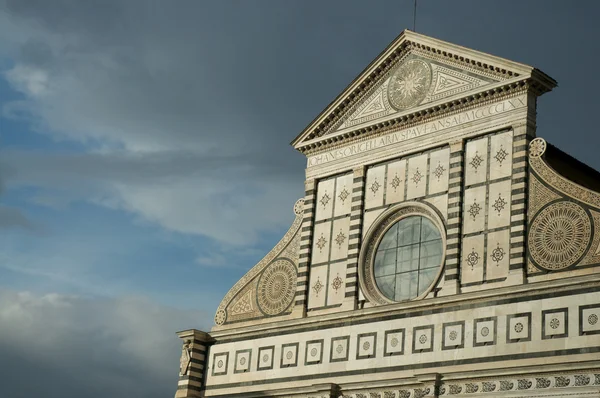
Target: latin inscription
x=418 y=131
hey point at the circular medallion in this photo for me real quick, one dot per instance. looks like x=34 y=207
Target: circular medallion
x=559 y=235
x=339 y=349
x=277 y=287
x=485 y=331
x=289 y=355
x=220 y=317
x=409 y=84
x=394 y=342
x=299 y=206
x=423 y=339
x=265 y=358
x=314 y=352
x=366 y=345
x=537 y=147
x=453 y=335
x=518 y=327
x=593 y=319
x=554 y=323
x=242 y=361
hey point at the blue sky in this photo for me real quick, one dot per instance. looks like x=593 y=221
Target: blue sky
x=145 y=163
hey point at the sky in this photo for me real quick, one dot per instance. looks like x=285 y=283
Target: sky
x=145 y=163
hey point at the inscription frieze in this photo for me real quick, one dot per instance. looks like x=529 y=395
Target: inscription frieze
x=418 y=131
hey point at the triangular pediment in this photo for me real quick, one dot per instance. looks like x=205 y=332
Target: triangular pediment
x=413 y=74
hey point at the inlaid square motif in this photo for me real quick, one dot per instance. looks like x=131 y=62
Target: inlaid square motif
x=366 y=345
x=484 y=331
x=242 y=361
x=289 y=355
x=265 y=358
x=453 y=335
x=394 y=342
x=339 y=349
x=518 y=327
x=423 y=339
x=314 y=352
x=589 y=319
x=555 y=323
x=219 y=363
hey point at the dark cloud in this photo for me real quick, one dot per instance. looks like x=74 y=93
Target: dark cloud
x=66 y=346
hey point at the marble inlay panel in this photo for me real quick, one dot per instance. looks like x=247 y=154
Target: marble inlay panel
x=339 y=238
x=474 y=210
x=343 y=195
x=499 y=204
x=473 y=259
x=396 y=173
x=439 y=164
x=336 y=283
x=416 y=181
x=325 y=199
x=501 y=155
x=317 y=286
x=498 y=254
x=375 y=187
x=321 y=242
x=476 y=161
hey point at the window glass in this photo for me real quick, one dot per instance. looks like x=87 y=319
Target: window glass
x=408 y=258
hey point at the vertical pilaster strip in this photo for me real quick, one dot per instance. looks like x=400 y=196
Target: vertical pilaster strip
x=454 y=228
x=522 y=135
x=305 y=245
x=354 y=239
x=191 y=380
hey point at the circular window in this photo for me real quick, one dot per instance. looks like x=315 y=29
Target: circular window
x=408 y=258
x=404 y=254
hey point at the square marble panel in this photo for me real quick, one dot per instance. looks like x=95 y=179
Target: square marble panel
x=474 y=209
x=555 y=323
x=325 y=199
x=472 y=260
x=314 y=352
x=439 y=164
x=589 y=319
x=501 y=149
x=321 y=242
x=395 y=185
x=289 y=355
x=499 y=205
x=242 y=361
x=343 y=195
x=220 y=363
x=422 y=339
x=366 y=345
x=265 y=358
x=374 y=187
x=340 y=347
x=485 y=331
x=476 y=161
x=453 y=335
x=339 y=238
x=518 y=327
x=416 y=180
x=394 y=342
x=498 y=255
x=317 y=286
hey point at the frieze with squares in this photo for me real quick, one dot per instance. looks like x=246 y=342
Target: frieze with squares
x=422 y=339
x=220 y=363
x=242 y=361
x=518 y=327
x=589 y=319
x=485 y=331
x=340 y=347
x=313 y=352
x=289 y=355
x=394 y=342
x=265 y=358
x=453 y=335
x=555 y=323
x=366 y=345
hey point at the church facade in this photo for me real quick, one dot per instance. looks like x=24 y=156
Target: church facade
x=442 y=248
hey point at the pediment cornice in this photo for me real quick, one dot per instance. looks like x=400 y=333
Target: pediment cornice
x=502 y=74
